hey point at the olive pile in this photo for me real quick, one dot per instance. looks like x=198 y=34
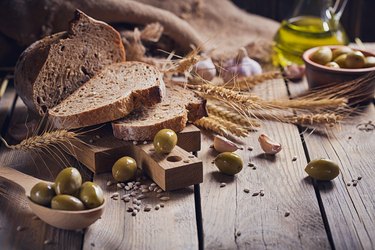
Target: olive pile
x=342 y=57
x=68 y=192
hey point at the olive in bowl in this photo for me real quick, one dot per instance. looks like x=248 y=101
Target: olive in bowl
x=346 y=64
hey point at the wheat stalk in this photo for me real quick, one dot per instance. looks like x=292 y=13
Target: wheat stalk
x=47 y=139
x=245 y=83
x=315 y=119
x=230 y=126
x=210 y=124
x=309 y=103
x=232 y=116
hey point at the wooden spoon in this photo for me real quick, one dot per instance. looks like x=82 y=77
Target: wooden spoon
x=70 y=220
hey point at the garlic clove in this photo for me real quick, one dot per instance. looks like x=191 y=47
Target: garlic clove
x=268 y=145
x=205 y=69
x=222 y=144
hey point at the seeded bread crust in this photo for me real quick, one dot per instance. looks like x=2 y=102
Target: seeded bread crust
x=177 y=108
x=110 y=95
x=51 y=69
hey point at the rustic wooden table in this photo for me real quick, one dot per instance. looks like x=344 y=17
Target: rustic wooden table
x=293 y=213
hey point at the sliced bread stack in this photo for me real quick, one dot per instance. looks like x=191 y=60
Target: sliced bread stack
x=51 y=69
x=176 y=109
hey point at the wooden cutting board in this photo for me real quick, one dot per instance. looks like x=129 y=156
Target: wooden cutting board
x=100 y=150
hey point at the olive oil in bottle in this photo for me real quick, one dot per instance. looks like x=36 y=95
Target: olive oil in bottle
x=301 y=33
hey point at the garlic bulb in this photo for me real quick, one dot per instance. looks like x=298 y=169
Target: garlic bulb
x=205 y=69
x=222 y=144
x=268 y=145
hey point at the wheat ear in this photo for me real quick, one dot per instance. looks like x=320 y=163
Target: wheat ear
x=245 y=83
x=316 y=119
x=210 y=124
x=230 y=126
x=309 y=103
x=231 y=116
x=58 y=137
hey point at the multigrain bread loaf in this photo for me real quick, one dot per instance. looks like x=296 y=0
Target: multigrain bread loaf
x=110 y=95
x=51 y=69
x=179 y=106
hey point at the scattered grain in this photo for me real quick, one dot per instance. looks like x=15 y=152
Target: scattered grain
x=255 y=194
x=109 y=183
x=238 y=233
x=144 y=142
x=186 y=161
x=134 y=213
x=119 y=185
x=152 y=185
x=20 y=228
x=130 y=184
x=250 y=148
x=254 y=168
x=145 y=190
x=144 y=186
x=97 y=136
x=294 y=158
x=91 y=141
x=246 y=190
x=261 y=193
x=159 y=190
x=130 y=209
x=135 y=142
x=157 y=207
x=127 y=199
x=287 y=213
x=47 y=242
x=116 y=194
x=161 y=204
x=348 y=184
x=147 y=208
x=141 y=196
x=223 y=184
x=359 y=178
x=164 y=198
x=127 y=188
x=250 y=164
x=137 y=183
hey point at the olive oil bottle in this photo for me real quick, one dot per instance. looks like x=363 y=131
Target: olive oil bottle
x=314 y=23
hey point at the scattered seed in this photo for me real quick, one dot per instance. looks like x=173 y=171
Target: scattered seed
x=135 y=188
x=145 y=190
x=246 y=190
x=349 y=138
x=186 y=161
x=287 y=213
x=261 y=193
x=109 y=183
x=294 y=158
x=135 y=142
x=354 y=184
x=151 y=188
x=157 y=207
x=136 y=207
x=47 y=242
x=161 y=204
x=127 y=199
x=91 y=141
x=159 y=190
x=134 y=213
x=159 y=195
x=115 y=195
x=152 y=185
x=191 y=156
x=348 y=184
x=92 y=244
x=130 y=209
x=144 y=187
x=250 y=148
x=141 y=196
x=238 y=233
x=144 y=142
x=127 y=188
x=359 y=178
x=147 y=208
x=250 y=164
x=137 y=183
x=135 y=200
x=241 y=148
x=119 y=185
x=212 y=162
x=254 y=168
x=20 y=228
x=255 y=194
x=130 y=184
x=97 y=136
x=164 y=198
x=115 y=198
x=134 y=193
x=223 y=184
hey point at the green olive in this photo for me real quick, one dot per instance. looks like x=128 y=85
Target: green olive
x=322 y=169
x=91 y=195
x=341 y=60
x=42 y=193
x=340 y=51
x=165 y=140
x=333 y=65
x=66 y=202
x=68 y=181
x=229 y=163
x=355 y=60
x=370 y=61
x=322 y=55
x=124 y=169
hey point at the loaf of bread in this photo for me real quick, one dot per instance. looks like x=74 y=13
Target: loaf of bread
x=51 y=69
x=179 y=106
x=110 y=95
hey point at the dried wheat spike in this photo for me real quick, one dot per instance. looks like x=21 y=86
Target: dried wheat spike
x=245 y=83
x=231 y=116
x=309 y=103
x=230 y=126
x=186 y=63
x=248 y=101
x=210 y=124
x=38 y=142
x=315 y=119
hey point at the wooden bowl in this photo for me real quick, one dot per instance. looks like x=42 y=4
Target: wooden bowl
x=320 y=76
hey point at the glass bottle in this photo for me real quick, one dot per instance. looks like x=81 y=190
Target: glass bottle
x=313 y=23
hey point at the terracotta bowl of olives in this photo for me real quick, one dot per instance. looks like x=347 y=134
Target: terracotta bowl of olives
x=328 y=66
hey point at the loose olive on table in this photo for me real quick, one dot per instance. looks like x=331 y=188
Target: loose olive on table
x=42 y=193
x=165 y=140
x=124 y=169
x=322 y=169
x=229 y=163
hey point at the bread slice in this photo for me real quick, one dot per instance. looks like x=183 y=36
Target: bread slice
x=179 y=106
x=52 y=68
x=111 y=94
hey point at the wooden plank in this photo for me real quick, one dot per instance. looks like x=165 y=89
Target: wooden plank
x=350 y=210
x=235 y=219
x=171 y=227
x=13 y=205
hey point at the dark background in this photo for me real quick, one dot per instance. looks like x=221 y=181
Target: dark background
x=357 y=19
